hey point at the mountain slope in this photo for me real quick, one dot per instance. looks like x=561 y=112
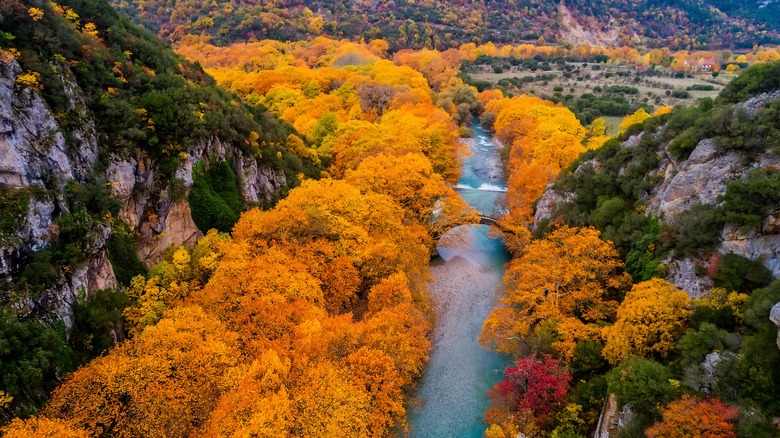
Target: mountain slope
x=709 y=24
x=102 y=127
x=690 y=196
x=112 y=149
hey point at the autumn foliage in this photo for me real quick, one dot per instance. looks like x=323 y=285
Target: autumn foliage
x=564 y=282
x=693 y=417
x=346 y=102
x=650 y=320
x=529 y=395
x=542 y=138
x=42 y=427
x=267 y=343
x=310 y=320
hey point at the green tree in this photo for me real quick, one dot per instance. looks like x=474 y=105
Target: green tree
x=215 y=198
x=32 y=357
x=97 y=323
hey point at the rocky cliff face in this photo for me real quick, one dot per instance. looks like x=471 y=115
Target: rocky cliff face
x=699 y=179
x=36 y=157
x=161 y=221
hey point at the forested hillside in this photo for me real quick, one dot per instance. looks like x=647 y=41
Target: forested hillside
x=650 y=279
x=323 y=297
x=113 y=147
x=239 y=242
x=696 y=184
x=405 y=24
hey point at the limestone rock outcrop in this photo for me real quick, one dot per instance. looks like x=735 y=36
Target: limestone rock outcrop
x=549 y=201
x=699 y=179
x=37 y=159
x=774 y=316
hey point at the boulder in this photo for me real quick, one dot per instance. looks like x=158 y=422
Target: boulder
x=550 y=200
x=700 y=179
x=774 y=316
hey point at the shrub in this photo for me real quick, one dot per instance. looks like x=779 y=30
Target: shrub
x=215 y=199
x=65 y=254
x=588 y=361
x=590 y=395
x=643 y=383
x=622 y=89
x=487 y=119
x=758 y=369
x=177 y=191
x=757 y=307
x=754 y=80
x=754 y=424
x=31 y=359
x=696 y=229
x=93 y=321
x=697 y=343
x=122 y=252
x=95 y=196
x=736 y=273
x=13 y=204
x=759 y=355
x=682 y=145
x=720 y=307
x=745 y=204
x=643 y=261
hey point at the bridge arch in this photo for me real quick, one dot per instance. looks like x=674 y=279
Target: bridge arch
x=483 y=220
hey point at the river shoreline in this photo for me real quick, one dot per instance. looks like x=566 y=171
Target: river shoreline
x=451 y=394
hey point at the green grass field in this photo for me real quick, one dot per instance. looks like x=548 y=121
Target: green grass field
x=653 y=90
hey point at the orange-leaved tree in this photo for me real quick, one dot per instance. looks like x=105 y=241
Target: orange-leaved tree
x=162 y=383
x=565 y=281
x=366 y=228
x=542 y=138
x=411 y=182
x=693 y=417
x=260 y=405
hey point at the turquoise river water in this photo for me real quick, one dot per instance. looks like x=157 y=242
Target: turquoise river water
x=450 y=400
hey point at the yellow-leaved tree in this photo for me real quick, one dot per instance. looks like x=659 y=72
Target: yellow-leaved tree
x=632 y=119
x=650 y=320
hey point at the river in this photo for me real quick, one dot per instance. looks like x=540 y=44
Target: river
x=450 y=400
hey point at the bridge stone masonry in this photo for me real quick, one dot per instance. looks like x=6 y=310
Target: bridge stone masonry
x=488 y=220
x=483 y=220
